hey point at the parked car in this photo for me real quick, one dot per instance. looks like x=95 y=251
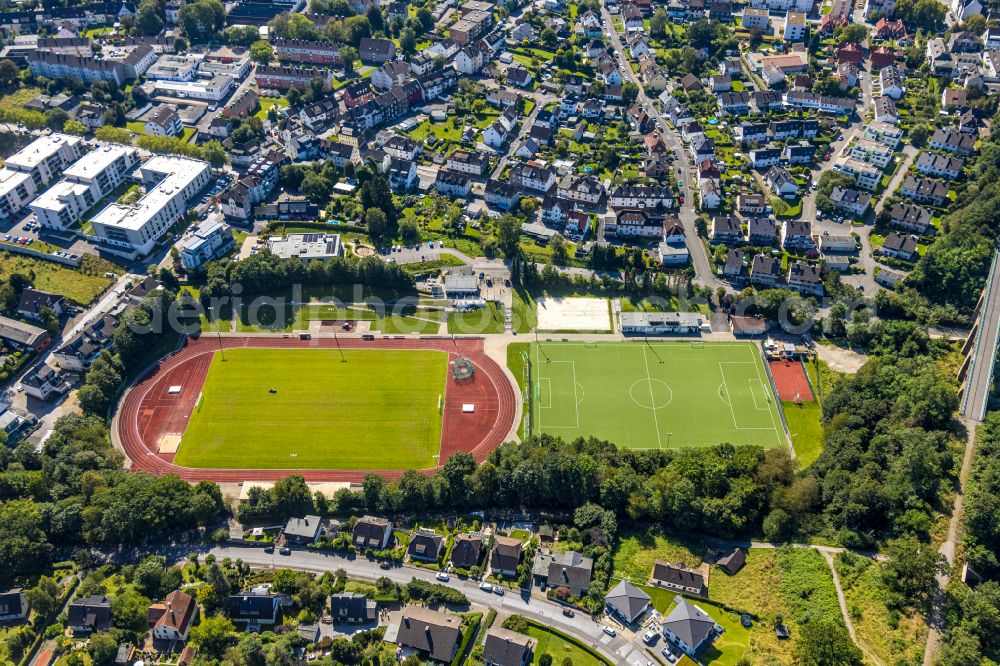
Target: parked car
x=497 y=590
x=609 y=631
x=443 y=577
x=568 y=612
x=285 y=550
x=486 y=587
x=384 y=565
x=268 y=549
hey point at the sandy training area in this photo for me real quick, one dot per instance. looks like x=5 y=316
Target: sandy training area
x=574 y=314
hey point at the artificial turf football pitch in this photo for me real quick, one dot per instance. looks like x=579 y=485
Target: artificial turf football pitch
x=377 y=409
x=654 y=395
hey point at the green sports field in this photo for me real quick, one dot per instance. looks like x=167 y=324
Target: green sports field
x=654 y=395
x=377 y=410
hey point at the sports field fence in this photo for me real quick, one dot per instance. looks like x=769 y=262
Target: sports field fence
x=777 y=399
x=528 y=401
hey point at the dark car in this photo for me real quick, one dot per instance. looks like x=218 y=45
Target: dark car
x=285 y=551
x=384 y=565
x=268 y=549
x=568 y=612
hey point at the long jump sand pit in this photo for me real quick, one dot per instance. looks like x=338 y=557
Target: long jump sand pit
x=574 y=314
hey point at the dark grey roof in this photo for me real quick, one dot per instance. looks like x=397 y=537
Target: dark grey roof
x=689 y=623
x=351 y=607
x=10 y=602
x=627 y=599
x=250 y=607
x=677 y=574
x=466 y=550
x=306 y=527
x=506 y=648
x=436 y=634
x=93 y=612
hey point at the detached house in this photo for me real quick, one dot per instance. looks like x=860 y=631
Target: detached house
x=89 y=614
x=371 y=533
x=425 y=545
x=352 y=608
x=678 y=577
x=171 y=619
x=570 y=570
x=254 y=609
x=506 y=556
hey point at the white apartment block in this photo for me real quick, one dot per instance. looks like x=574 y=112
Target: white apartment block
x=872 y=152
x=43 y=159
x=170 y=183
x=886 y=134
x=16 y=190
x=865 y=175
x=84 y=183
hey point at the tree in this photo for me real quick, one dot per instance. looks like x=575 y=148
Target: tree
x=630 y=92
x=241 y=35
x=213 y=635
x=407 y=40
x=926 y=14
x=559 y=252
x=349 y=55
x=103 y=649
x=855 y=33
x=261 y=52
x=508 y=231
x=376 y=222
x=44 y=597
x=658 y=23
x=911 y=568
x=823 y=642
x=316 y=187
x=113 y=135
x=128 y=608
x=201 y=19
x=10 y=75
x=55 y=119
x=919 y=135
x=545 y=660
x=50 y=322
x=75 y=127
x=149 y=17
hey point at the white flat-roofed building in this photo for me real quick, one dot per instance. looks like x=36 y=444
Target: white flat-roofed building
x=208 y=241
x=170 y=183
x=63 y=204
x=16 y=190
x=84 y=183
x=307 y=247
x=174 y=68
x=214 y=89
x=662 y=323
x=44 y=158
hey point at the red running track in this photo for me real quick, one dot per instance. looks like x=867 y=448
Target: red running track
x=149 y=411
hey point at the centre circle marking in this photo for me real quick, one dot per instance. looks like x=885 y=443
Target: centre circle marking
x=650 y=393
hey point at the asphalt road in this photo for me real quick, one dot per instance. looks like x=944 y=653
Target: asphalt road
x=581 y=627
x=704 y=274
x=977 y=387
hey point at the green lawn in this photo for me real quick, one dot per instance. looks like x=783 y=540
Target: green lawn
x=637 y=551
x=49 y=276
x=559 y=648
x=375 y=410
x=654 y=395
x=426 y=322
x=806 y=429
x=728 y=648
x=267 y=102
x=484 y=320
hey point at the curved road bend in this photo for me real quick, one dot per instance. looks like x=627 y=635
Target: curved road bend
x=581 y=627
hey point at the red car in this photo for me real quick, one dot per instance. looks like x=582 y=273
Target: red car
x=682 y=198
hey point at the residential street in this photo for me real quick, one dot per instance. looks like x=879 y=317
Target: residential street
x=704 y=275
x=581 y=626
